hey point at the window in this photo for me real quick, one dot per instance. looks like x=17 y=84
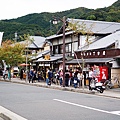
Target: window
x=98 y=53
x=103 y=52
x=56 y=49
x=68 y=47
x=61 y=48
x=93 y=53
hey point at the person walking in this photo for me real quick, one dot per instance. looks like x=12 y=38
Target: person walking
x=5 y=74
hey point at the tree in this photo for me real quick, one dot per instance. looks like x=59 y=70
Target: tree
x=12 y=53
x=91 y=17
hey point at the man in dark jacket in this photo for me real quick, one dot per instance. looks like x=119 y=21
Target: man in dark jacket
x=50 y=76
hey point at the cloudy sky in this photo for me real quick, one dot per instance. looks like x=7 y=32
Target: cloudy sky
x=16 y=8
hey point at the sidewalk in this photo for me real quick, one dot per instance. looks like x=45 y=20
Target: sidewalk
x=114 y=93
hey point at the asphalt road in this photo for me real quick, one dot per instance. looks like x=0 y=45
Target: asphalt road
x=36 y=103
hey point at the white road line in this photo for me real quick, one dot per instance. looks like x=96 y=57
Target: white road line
x=91 y=108
x=10 y=114
x=116 y=112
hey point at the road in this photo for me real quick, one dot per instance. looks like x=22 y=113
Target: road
x=37 y=103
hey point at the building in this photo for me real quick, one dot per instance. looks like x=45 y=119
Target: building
x=102 y=49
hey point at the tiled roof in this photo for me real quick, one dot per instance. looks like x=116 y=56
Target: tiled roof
x=38 y=41
x=103 y=42
x=99 y=27
x=52 y=58
x=39 y=55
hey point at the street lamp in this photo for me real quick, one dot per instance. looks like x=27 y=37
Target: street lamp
x=63 y=27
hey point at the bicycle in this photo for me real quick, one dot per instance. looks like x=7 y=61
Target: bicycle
x=109 y=84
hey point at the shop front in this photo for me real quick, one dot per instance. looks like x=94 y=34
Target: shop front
x=101 y=68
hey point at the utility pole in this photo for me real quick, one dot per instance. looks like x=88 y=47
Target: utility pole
x=64 y=22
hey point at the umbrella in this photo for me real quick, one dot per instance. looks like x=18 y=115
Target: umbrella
x=23 y=64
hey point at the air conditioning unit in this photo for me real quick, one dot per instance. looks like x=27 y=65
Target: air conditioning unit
x=117 y=44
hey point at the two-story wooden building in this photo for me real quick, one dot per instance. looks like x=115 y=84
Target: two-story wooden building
x=101 y=51
x=73 y=41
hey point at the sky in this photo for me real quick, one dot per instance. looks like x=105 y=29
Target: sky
x=10 y=9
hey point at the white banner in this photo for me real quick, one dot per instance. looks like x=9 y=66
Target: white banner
x=1 y=35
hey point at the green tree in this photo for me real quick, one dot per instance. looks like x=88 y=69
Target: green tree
x=91 y=17
x=12 y=53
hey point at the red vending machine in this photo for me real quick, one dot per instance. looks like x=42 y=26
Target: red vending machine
x=100 y=73
x=103 y=73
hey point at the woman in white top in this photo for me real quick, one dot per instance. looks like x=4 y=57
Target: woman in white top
x=80 y=77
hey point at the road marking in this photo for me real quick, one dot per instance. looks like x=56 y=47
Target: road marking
x=116 y=112
x=10 y=114
x=87 y=107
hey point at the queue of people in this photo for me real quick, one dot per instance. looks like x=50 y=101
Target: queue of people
x=72 y=78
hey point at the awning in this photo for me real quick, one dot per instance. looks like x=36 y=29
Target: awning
x=24 y=64
x=91 y=60
x=52 y=59
x=40 y=54
x=117 y=56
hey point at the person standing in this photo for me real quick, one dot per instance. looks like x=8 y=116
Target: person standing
x=47 y=76
x=57 y=77
x=31 y=75
x=50 y=77
x=90 y=77
x=61 y=77
x=67 y=76
x=80 y=78
x=21 y=74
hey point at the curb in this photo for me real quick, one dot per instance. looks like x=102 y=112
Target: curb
x=4 y=117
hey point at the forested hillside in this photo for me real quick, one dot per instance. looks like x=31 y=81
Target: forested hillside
x=40 y=23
